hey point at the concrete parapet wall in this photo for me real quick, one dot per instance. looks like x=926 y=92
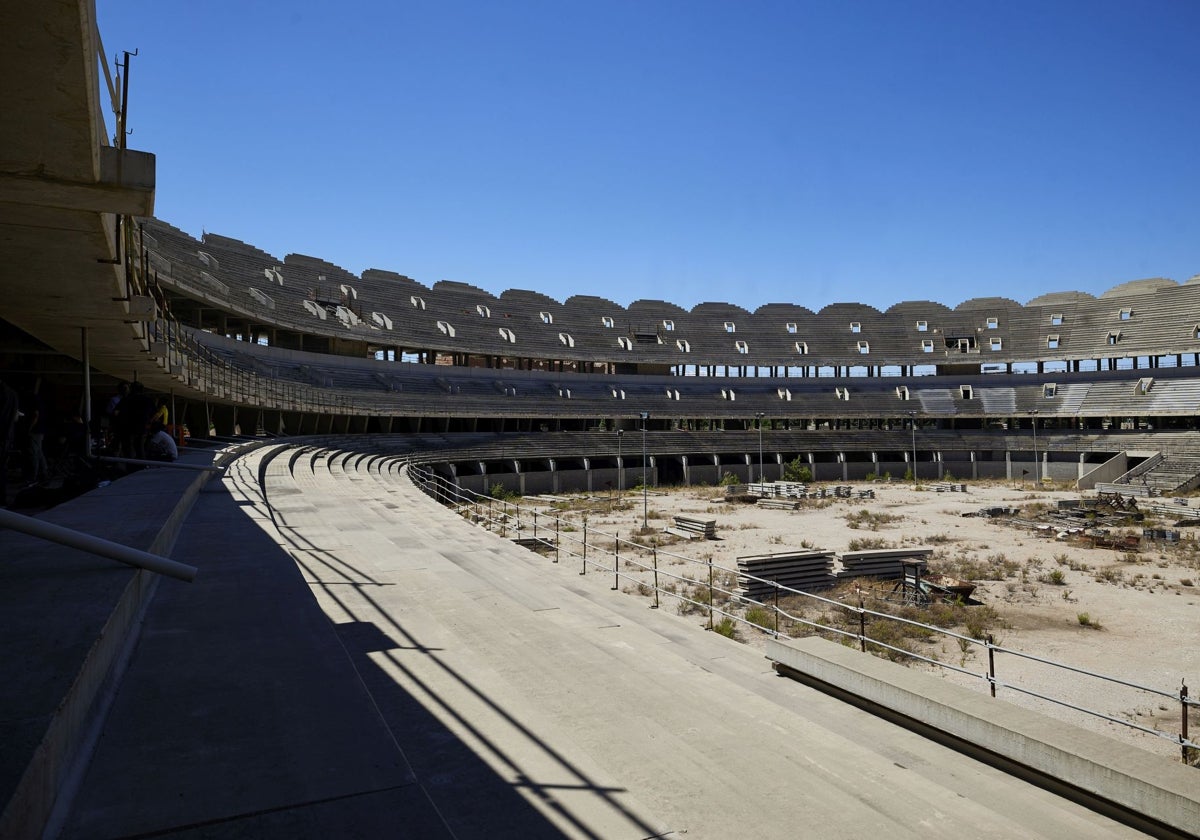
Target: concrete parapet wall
x=1126 y=776
x=102 y=603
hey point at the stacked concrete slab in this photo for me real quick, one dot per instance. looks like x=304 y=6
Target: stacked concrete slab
x=804 y=570
x=886 y=563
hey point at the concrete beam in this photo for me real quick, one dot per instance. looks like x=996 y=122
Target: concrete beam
x=126 y=186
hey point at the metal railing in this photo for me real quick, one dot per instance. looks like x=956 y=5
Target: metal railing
x=604 y=552
x=96 y=545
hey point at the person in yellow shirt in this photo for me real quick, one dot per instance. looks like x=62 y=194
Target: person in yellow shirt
x=161 y=414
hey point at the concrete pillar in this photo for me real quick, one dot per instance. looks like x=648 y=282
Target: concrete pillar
x=554 y=477
x=687 y=470
x=841 y=456
x=520 y=476
x=1008 y=466
x=974 y=466
x=941 y=468
x=812 y=465
x=587 y=470
x=1082 y=465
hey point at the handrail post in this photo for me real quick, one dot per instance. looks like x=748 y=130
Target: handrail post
x=1183 y=702
x=776 y=582
x=616 y=561
x=862 y=624
x=583 y=571
x=710 y=594
x=654 y=552
x=992 y=664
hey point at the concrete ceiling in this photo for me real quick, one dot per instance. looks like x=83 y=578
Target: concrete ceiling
x=61 y=185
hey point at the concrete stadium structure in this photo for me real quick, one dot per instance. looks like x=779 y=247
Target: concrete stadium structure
x=362 y=661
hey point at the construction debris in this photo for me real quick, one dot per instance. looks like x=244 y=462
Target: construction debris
x=690 y=528
x=803 y=570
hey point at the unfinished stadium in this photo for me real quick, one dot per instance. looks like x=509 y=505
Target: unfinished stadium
x=298 y=641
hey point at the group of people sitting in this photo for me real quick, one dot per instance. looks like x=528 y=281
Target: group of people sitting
x=137 y=426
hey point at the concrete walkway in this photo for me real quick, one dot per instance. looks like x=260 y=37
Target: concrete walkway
x=358 y=661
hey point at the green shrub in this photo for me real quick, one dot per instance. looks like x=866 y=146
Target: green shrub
x=797 y=470
x=727 y=627
x=761 y=617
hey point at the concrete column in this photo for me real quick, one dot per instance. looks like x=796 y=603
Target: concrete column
x=1082 y=465
x=687 y=470
x=974 y=466
x=841 y=456
x=587 y=469
x=520 y=476
x=812 y=465
x=941 y=468
x=1008 y=466
x=554 y=477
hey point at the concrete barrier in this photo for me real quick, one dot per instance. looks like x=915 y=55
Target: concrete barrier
x=1165 y=794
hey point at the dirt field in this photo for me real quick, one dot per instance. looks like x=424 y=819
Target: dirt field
x=1131 y=615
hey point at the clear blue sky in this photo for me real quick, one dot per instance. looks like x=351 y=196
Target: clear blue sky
x=747 y=151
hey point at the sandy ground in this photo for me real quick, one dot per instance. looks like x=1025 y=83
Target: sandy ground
x=1130 y=616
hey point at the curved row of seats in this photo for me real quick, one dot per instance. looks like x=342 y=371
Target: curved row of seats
x=1149 y=317
x=386 y=388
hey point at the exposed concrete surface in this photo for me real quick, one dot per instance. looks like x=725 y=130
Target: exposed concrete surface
x=1127 y=776
x=66 y=617
x=505 y=695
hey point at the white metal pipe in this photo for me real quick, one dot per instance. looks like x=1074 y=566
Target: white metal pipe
x=96 y=545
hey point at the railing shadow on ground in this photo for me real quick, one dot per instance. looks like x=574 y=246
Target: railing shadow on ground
x=504 y=516
x=455 y=773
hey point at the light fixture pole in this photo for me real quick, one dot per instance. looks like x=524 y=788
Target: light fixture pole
x=762 y=479
x=912 y=422
x=620 y=466
x=1037 y=477
x=645 y=486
